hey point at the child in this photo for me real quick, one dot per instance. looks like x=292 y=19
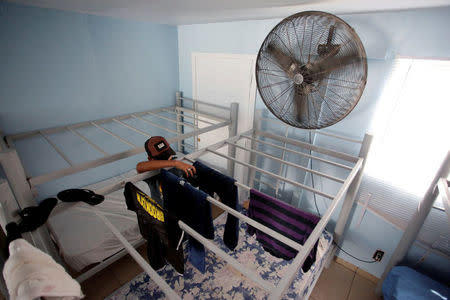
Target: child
x=160 y=155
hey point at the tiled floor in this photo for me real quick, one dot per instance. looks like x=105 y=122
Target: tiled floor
x=114 y=276
x=338 y=282
x=341 y=282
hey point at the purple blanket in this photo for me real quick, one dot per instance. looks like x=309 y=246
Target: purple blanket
x=284 y=219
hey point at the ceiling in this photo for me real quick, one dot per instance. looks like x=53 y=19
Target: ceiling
x=208 y=11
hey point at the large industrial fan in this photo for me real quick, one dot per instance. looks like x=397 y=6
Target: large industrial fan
x=311 y=70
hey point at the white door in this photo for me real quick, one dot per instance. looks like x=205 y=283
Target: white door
x=223 y=79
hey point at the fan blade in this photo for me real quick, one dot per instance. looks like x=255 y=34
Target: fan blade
x=320 y=69
x=287 y=63
x=301 y=105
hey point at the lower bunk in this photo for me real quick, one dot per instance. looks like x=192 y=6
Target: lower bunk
x=221 y=281
x=71 y=223
x=265 y=276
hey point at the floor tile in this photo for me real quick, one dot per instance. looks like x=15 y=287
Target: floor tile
x=216 y=211
x=368 y=276
x=346 y=264
x=334 y=283
x=362 y=288
x=100 y=285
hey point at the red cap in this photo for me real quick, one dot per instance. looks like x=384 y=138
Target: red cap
x=158 y=148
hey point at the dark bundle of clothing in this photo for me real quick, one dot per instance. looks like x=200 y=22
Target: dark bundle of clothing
x=189 y=205
x=291 y=222
x=211 y=181
x=158 y=227
x=184 y=201
x=154 y=183
x=33 y=217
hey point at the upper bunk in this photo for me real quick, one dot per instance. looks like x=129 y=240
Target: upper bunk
x=50 y=154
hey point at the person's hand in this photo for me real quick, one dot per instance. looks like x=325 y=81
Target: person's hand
x=188 y=169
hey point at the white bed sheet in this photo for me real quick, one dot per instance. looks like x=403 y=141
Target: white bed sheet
x=82 y=238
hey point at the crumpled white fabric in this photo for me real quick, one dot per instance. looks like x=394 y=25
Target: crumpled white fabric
x=30 y=273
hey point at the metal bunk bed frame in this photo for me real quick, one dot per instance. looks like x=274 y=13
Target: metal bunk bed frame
x=23 y=185
x=346 y=193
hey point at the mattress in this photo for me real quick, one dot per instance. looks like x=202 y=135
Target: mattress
x=82 y=238
x=221 y=281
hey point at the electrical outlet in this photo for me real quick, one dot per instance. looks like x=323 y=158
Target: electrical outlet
x=378 y=255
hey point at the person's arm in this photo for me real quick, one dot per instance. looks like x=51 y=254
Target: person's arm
x=151 y=165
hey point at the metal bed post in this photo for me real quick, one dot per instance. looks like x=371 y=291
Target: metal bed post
x=352 y=190
x=253 y=146
x=282 y=167
x=179 y=103
x=416 y=221
x=196 y=118
x=443 y=186
x=232 y=131
x=23 y=194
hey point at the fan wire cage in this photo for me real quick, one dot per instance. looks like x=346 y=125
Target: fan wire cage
x=311 y=70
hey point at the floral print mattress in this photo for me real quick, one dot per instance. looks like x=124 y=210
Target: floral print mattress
x=221 y=281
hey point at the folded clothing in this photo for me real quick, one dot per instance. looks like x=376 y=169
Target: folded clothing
x=291 y=222
x=30 y=273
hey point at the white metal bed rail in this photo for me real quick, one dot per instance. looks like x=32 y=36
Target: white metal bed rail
x=298 y=153
x=205 y=103
x=200 y=113
x=443 y=186
x=321 y=132
x=308 y=188
x=76 y=125
x=173 y=112
x=308 y=146
x=285 y=162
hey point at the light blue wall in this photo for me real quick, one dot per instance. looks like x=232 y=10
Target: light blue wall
x=418 y=33
x=60 y=67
